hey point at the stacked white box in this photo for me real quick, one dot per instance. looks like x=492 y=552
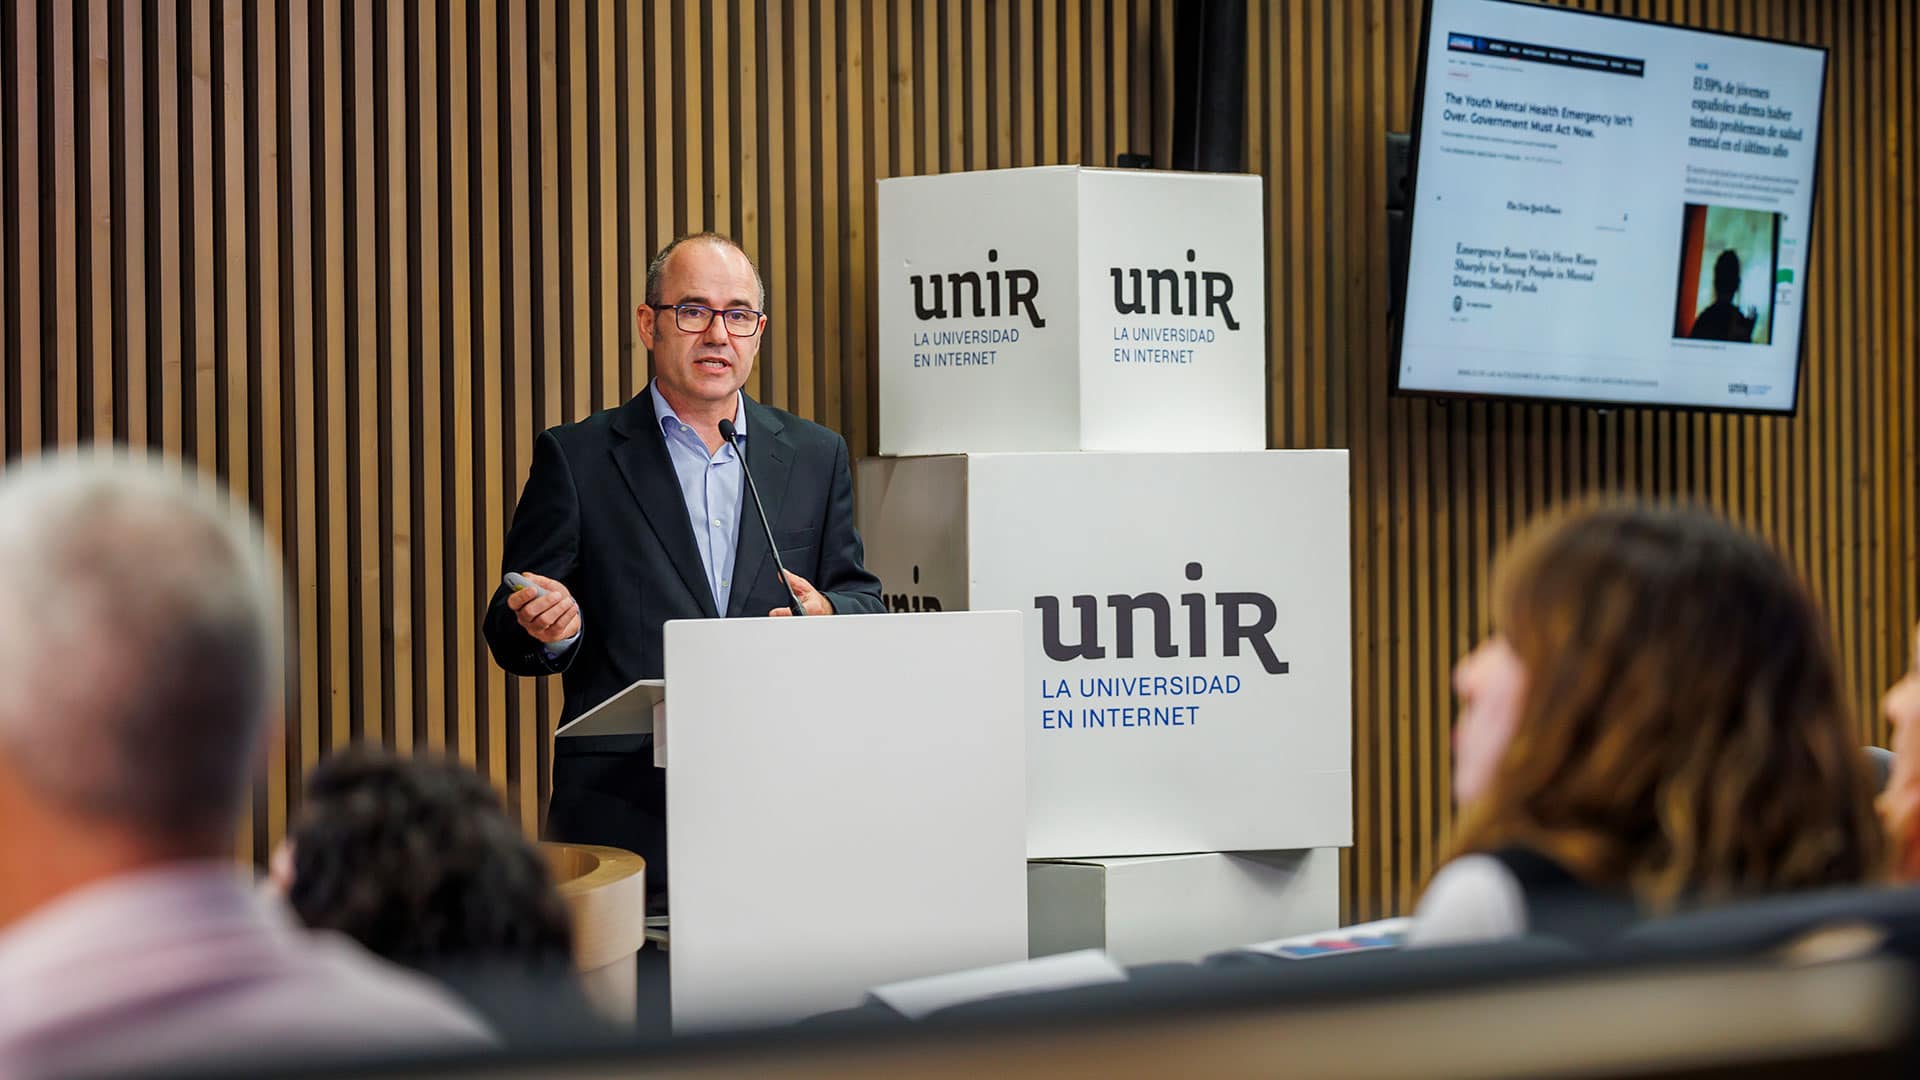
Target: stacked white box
x=1066 y=308
x=1160 y=908
x=1102 y=469
x=1235 y=564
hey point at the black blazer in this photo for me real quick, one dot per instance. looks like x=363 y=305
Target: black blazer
x=602 y=512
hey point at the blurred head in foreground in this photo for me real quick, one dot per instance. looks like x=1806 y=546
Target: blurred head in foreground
x=137 y=674
x=1900 y=802
x=417 y=860
x=1659 y=711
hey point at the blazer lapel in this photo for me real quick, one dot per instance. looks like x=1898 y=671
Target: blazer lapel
x=770 y=456
x=642 y=459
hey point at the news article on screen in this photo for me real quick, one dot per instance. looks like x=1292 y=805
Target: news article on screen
x=1608 y=210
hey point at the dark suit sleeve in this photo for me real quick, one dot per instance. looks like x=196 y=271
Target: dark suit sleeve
x=843 y=573
x=544 y=539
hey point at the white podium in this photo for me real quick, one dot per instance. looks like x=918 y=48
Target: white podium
x=846 y=806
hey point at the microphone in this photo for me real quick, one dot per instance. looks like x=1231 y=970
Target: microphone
x=732 y=436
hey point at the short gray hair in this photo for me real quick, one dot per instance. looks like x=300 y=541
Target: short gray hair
x=137 y=676
x=657 y=269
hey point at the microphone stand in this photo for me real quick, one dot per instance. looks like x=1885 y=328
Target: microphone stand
x=728 y=432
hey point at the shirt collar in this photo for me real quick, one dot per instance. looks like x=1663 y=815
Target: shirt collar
x=664 y=413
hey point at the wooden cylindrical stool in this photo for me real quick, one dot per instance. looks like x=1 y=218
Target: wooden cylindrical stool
x=606 y=890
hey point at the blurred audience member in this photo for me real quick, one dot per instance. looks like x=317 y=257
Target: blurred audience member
x=1900 y=802
x=417 y=860
x=1657 y=723
x=135 y=692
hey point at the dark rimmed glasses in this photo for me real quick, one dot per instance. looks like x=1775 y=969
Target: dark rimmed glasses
x=695 y=318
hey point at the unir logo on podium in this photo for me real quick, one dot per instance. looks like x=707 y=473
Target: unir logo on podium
x=1236 y=629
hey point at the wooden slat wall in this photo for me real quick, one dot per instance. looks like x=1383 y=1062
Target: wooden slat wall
x=350 y=257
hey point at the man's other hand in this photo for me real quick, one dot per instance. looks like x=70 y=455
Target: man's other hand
x=812 y=601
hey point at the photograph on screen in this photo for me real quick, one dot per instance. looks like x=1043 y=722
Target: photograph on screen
x=1728 y=268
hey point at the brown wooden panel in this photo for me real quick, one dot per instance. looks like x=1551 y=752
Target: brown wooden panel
x=823 y=354
x=59 y=225
x=169 y=56
x=428 y=197
x=605 y=263
x=232 y=372
x=485 y=730
x=462 y=575
x=131 y=225
x=99 y=419
x=273 y=84
x=227 y=253
x=199 y=396
x=353 y=256
x=853 y=341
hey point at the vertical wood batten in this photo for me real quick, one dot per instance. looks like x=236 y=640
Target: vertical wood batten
x=101 y=320
x=277 y=64
x=460 y=698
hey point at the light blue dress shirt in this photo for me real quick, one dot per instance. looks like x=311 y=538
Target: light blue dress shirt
x=712 y=485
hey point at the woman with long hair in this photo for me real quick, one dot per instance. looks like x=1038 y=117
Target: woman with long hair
x=1657 y=723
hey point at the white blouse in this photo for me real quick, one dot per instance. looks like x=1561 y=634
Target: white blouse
x=1473 y=898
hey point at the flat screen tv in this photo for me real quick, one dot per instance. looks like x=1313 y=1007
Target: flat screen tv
x=1607 y=211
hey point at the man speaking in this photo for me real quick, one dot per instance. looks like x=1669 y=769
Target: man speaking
x=641 y=514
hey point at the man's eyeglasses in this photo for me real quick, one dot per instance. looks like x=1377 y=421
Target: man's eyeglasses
x=695 y=318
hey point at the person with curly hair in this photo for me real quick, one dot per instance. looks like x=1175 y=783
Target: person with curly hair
x=417 y=860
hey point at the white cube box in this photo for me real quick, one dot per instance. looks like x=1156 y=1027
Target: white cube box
x=1066 y=308
x=1189 y=666
x=1180 y=907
